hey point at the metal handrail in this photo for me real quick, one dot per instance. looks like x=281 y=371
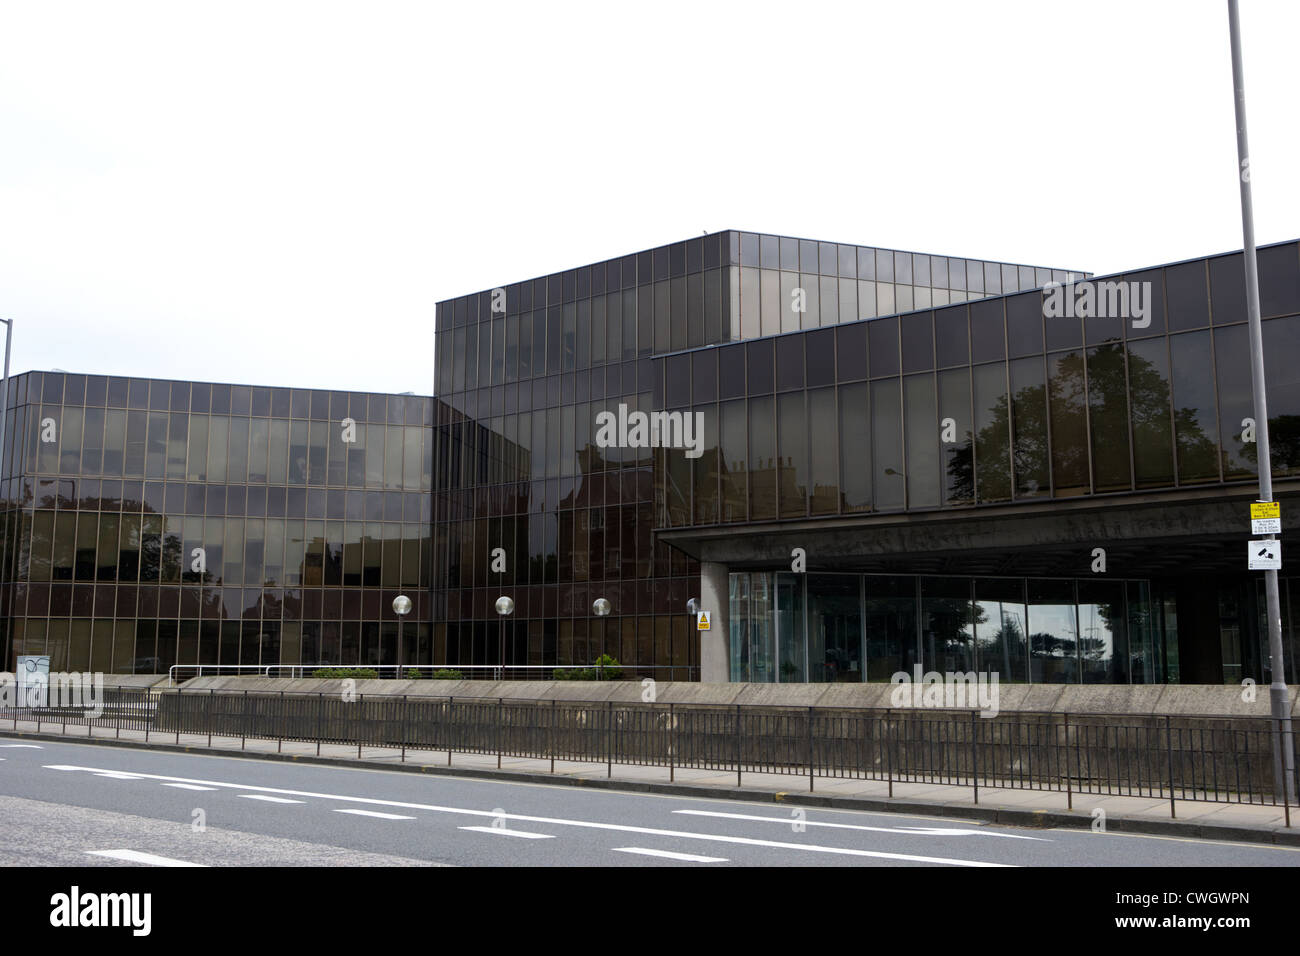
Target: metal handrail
x=496 y=670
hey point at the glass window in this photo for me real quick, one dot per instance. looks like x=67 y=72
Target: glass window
x=1196 y=424
x=851 y=352
x=1282 y=373
x=1001 y=635
x=866 y=299
x=992 y=434
x=750 y=308
x=792 y=455
x=1029 y=427
x=947 y=638
x=762 y=460
x=1025 y=325
x=1153 y=457
x=1108 y=411
x=1053 y=630
x=855 y=442
x=1069 y=424
x=834 y=626
x=1279 y=280
x=887 y=444
x=918 y=342
x=734 y=455
x=922 y=442
x=890 y=613
x=1103 y=648
x=759 y=362
x=706 y=469
x=883 y=347
x=824 y=477
x=770 y=292
x=956 y=445
x=789 y=362
x=1227 y=289
x=987 y=336
x=951 y=337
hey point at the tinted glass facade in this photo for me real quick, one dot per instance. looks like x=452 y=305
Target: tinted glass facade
x=524 y=370
x=155 y=522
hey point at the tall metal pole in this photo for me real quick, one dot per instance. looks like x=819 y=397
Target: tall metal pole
x=1277 y=689
x=4 y=390
x=4 y=459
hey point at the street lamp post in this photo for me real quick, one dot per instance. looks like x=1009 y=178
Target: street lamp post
x=401 y=607
x=601 y=608
x=1284 y=772
x=505 y=607
x=4 y=387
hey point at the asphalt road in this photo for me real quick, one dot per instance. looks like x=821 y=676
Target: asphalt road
x=84 y=805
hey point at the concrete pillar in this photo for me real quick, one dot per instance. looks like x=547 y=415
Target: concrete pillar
x=715 y=656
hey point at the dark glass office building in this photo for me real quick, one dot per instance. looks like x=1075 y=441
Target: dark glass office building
x=858 y=460
x=152 y=522
x=901 y=459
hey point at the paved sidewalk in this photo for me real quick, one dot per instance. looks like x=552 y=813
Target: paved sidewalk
x=1014 y=807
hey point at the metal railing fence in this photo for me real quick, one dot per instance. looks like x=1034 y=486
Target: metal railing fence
x=1190 y=758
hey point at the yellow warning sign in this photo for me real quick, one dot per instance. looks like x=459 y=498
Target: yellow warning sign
x=1265 y=509
x=702 y=620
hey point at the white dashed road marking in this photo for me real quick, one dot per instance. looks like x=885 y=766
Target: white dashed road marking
x=187 y=786
x=560 y=821
x=135 y=856
x=502 y=831
x=375 y=813
x=667 y=854
x=259 y=796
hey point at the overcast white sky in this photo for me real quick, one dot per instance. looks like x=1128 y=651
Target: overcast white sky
x=277 y=193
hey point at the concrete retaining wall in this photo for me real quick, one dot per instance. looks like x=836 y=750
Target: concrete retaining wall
x=1144 y=700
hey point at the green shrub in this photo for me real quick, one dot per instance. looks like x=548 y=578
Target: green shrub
x=340 y=672
x=413 y=673
x=611 y=671
x=447 y=673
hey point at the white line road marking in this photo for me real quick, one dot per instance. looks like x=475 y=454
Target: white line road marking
x=523 y=834
x=261 y=796
x=907 y=831
x=187 y=786
x=135 y=856
x=21 y=747
x=371 y=813
x=668 y=855
x=115 y=775
x=587 y=824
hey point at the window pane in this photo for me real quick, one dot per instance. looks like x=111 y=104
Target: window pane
x=1195 y=415
x=792 y=455
x=922 y=442
x=855 y=440
x=1029 y=427
x=1069 y=424
x=1108 y=408
x=762 y=454
x=1282 y=373
x=992 y=434
x=887 y=444
x=947 y=638
x=956 y=459
x=890 y=625
x=1153 y=456
x=825 y=462
x=1053 y=642
x=1000 y=628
